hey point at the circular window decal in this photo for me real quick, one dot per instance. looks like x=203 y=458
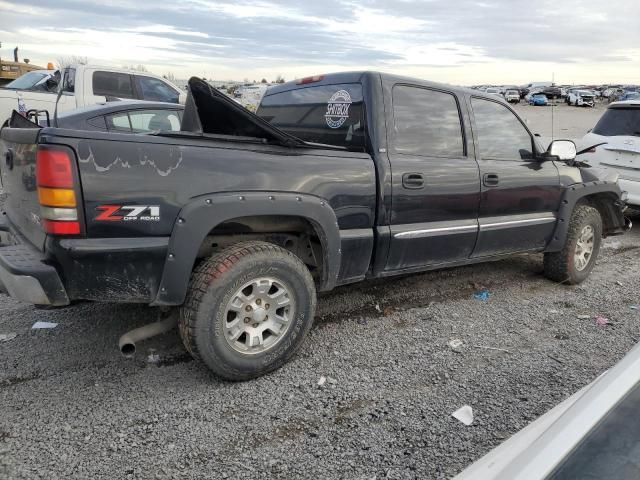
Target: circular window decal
x=338 y=109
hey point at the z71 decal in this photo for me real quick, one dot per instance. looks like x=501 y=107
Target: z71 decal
x=127 y=213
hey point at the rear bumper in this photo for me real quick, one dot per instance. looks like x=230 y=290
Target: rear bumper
x=25 y=276
x=122 y=270
x=632 y=187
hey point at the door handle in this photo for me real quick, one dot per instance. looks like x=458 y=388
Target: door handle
x=412 y=180
x=490 y=179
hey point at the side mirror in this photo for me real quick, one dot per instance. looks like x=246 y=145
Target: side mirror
x=563 y=149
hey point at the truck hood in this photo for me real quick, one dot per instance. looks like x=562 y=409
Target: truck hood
x=208 y=111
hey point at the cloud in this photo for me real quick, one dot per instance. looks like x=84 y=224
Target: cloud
x=248 y=37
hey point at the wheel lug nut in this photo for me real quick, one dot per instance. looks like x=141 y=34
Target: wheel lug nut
x=258 y=302
x=247 y=320
x=255 y=325
x=248 y=308
x=266 y=305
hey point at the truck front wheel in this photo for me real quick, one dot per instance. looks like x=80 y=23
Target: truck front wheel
x=248 y=310
x=573 y=264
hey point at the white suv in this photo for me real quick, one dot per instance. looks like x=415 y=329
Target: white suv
x=619 y=127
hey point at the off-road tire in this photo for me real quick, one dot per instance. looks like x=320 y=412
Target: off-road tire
x=215 y=280
x=560 y=266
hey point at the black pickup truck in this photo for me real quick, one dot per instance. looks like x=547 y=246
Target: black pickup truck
x=239 y=218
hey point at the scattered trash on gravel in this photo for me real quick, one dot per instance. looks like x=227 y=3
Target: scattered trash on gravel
x=5 y=337
x=464 y=414
x=602 y=321
x=456 y=345
x=634 y=307
x=153 y=358
x=482 y=296
x=322 y=381
x=583 y=317
x=43 y=325
x=378 y=309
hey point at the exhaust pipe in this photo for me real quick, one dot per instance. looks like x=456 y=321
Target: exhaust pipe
x=127 y=342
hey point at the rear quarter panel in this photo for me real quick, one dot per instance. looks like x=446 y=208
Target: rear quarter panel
x=167 y=172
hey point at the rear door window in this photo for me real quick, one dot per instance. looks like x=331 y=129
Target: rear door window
x=426 y=122
x=154 y=89
x=330 y=114
x=113 y=84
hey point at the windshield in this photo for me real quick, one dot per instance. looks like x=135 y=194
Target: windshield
x=329 y=114
x=619 y=121
x=27 y=81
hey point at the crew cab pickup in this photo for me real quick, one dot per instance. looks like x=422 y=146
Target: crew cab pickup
x=85 y=85
x=240 y=218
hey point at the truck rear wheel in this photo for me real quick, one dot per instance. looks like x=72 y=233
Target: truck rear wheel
x=573 y=264
x=248 y=309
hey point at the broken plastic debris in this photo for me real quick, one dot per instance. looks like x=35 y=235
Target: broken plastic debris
x=5 y=337
x=483 y=295
x=39 y=325
x=322 y=381
x=456 y=344
x=583 y=317
x=464 y=414
x=634 y=307
x=602 y=321
x=378 y=308
x=153 y=358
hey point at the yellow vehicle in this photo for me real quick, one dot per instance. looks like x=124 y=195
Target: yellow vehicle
x=9 y=70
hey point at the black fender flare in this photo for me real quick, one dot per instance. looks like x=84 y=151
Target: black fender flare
x=572 y=195
x=197 y=218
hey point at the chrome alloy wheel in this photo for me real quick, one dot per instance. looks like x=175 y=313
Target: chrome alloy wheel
x=584 y=248
x=258 y=315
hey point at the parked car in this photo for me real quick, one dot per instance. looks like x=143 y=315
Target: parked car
x=552 y=92
x=493 y=91
x=539 y=99
x=87 y=85
x=512 y=96
x=594 y=434
x=36 y=81
x=123 y=116
x=619 y=130
x=239 y=219
x=582 y=98
x=629 y=96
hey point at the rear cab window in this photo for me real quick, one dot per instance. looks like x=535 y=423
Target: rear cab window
x=329 y=114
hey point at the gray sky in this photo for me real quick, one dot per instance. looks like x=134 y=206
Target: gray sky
x=458 y=41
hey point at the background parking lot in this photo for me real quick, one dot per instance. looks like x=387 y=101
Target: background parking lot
x=72 y=407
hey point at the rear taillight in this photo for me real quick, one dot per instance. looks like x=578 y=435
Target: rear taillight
x=56 y=191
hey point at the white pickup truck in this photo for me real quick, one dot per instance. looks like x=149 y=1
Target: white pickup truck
x=85 y=85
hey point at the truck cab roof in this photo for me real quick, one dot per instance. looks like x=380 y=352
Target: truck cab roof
x=361 y=76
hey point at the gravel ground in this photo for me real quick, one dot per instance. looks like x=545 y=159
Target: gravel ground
x=72 y=407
